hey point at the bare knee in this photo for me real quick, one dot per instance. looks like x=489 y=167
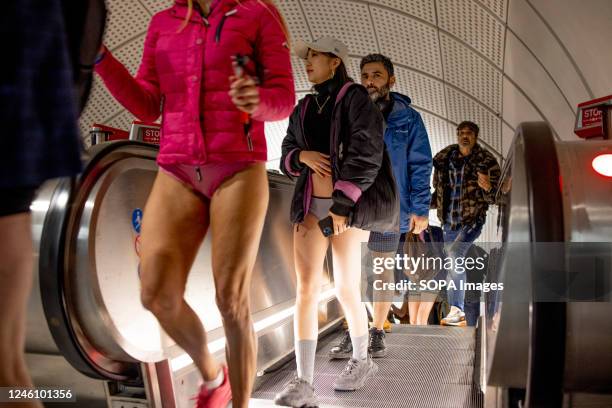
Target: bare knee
x=161 y=296
x=307 y=291
x=162 y=303
x=233 y=304
x=347 y=294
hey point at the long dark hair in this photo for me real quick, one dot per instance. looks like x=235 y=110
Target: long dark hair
x=341 y=72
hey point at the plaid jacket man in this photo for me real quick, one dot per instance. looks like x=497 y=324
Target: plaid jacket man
x=474 y=201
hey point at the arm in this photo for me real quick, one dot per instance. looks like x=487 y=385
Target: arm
x=363 y=152
x=141 y=94
x=290 y=164
x=494 y=175
x=433 y=205
x=419 y=168
x=276 y=90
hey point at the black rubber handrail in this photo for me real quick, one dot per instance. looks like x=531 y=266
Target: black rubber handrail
x=546 y=363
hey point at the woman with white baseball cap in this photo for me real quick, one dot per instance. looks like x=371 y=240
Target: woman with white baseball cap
x=335 y=148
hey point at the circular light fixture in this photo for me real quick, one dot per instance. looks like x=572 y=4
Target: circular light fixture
x=602 y=164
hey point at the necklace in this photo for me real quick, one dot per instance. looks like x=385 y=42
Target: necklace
x=321 y=106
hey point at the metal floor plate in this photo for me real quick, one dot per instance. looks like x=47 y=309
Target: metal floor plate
x=429 y=366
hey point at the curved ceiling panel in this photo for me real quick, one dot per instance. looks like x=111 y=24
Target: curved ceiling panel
x=497 y=62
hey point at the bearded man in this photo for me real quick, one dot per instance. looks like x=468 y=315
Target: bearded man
x=408 y=146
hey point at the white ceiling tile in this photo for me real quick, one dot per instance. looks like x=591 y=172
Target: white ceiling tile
x=125 y=20
x=347 y=21
x=155 y=6
x=462 y=107
x=470 y=22
x=471 y=73
x=423 y=9
x=408 y=41
x=498 y=7
x=425 y=92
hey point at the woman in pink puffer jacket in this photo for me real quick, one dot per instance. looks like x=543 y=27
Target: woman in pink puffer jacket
x=212 y=166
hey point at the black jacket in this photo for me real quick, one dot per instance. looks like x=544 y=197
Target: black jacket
x=360 y=163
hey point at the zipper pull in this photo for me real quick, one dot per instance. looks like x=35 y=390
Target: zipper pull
x=249 y=141
x=205 y=21
x=199 y=174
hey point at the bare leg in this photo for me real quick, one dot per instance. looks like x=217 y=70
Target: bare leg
x=346 y=248
x=15 y=284
x=382 y=305
x=413 y=310
x=238 y=210
x=309 y=248
x=427 y=303
x=174 y=224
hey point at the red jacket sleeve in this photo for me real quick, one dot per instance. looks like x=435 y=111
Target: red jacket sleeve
x=276 y=91
x=140 y=95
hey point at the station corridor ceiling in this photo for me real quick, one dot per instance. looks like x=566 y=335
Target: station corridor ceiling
x=495 y=62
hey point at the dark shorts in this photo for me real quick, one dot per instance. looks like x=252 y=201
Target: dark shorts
x=16 y=200
x=385 y=241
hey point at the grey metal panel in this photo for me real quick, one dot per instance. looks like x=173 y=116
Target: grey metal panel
x=517 y=108
x=532 y=31
x=587 y=197
x=507 y=136
x=585 y=30
x=524 y=70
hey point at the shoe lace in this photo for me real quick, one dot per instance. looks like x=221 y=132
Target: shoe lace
x=346 y=340
x=350 y=367
x=293 y=383
x=376 y=338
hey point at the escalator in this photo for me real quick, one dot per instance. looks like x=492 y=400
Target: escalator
x=85 y=310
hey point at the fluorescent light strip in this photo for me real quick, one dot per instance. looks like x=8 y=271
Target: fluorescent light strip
x=214 y=346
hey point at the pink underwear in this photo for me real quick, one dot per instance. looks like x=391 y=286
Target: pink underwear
x=207 y=178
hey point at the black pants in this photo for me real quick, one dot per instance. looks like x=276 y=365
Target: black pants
x=16 y=200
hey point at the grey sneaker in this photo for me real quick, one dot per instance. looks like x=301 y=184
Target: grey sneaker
x=377 y=347
x=297 y=393
x=355 y=374
x=344 y=349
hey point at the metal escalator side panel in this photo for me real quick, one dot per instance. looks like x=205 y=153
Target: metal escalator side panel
x=38 y=336
x=547 y=319
x=587 y=198
x=92 y=326
x=506 y=319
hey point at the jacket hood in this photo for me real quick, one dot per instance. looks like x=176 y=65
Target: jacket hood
x=399 y=115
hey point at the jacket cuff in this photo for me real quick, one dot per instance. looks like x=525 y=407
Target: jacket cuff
x=342 y=205
x=292 y=162
x=349 y=189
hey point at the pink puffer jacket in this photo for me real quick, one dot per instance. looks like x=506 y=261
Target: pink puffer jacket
x=184 y=75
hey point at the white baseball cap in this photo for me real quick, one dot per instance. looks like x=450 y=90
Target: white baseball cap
x=323 y=44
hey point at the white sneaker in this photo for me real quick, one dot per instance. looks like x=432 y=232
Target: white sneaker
x=456 y=317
